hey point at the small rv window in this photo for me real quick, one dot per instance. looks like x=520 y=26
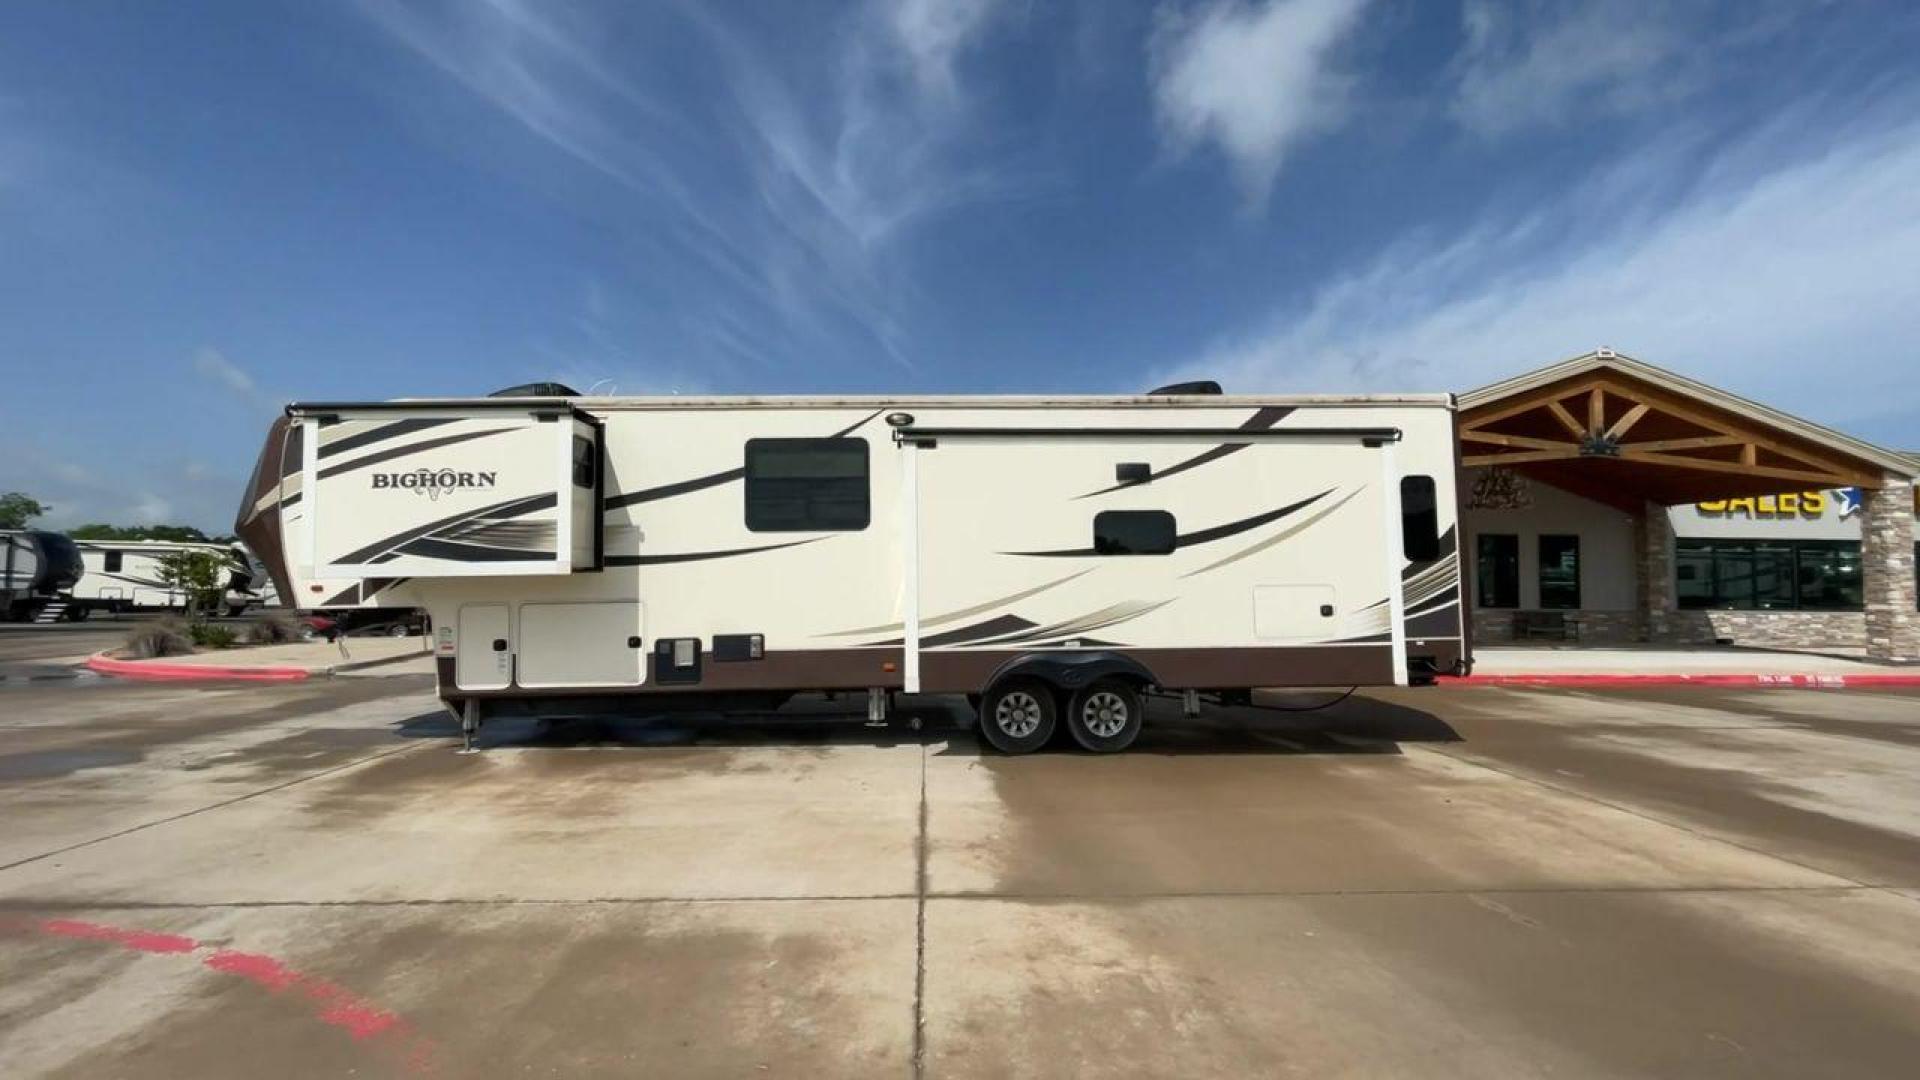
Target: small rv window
x=585 y=461
x=1133 y=532
x=1419 y=519
x=807 y=485
x=113 y=562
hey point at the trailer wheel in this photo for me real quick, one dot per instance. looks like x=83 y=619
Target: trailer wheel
x=1018 y=716
x=1105 y=717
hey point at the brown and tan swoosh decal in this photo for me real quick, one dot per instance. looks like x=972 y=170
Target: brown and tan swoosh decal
x=1196 y=538
x=701 y=556
x=714 y=479
x=1261 y=420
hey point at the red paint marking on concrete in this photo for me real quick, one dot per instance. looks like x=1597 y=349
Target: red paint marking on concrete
x=1808 y=681
x=338 y=1006
x=161 y=670
x=253 y=967
x=137 y=940
x=335 y=1005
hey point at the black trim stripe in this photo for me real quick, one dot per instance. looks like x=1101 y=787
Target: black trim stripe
x=510 y=508
x=1194 y=539
x=431 y=548
x=701 y=483
x=965 y=612
x=997 y=626
x=668 y=491
x=410 y=448
x=1261 y=420
x=380 y=434
x=344 y=598
x=1112 y=615
x=700 y=556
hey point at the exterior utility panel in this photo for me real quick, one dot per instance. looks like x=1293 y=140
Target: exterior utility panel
x=577 y=547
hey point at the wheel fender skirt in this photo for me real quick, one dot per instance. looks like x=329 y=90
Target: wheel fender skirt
x=1071 y=670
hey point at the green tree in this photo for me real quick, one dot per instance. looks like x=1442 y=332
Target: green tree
x=17 y=508
x=175 y=533
x=200 y=576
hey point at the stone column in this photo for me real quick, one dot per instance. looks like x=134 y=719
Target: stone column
x=1886 y=560
x=1654 y=565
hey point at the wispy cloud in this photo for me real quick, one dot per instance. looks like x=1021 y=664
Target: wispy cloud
x=934 y=32
x=1538 y=64
x=794 y=188
x=1256 y=80
x=213 y=364
x=1783 y=268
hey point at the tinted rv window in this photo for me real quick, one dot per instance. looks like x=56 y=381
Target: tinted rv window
x=807 y=485
x=113 y=562
x=1133 y=532
x=585 y=462
x=1419 y=519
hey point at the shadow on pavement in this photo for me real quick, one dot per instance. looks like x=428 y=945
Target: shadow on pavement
x=1357 y=725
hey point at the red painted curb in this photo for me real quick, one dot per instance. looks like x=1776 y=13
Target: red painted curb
x=1815 y=681
x=160 y=670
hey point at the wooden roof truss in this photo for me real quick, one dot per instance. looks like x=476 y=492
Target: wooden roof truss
x=1612 y=420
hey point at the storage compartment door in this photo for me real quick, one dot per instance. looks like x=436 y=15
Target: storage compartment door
x=597 y=644
x=1294 y=612
x=483 y=655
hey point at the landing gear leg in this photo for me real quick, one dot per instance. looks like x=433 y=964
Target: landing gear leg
x=469 y=725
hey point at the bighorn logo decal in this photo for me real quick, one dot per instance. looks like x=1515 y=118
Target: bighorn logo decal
x=431 y=482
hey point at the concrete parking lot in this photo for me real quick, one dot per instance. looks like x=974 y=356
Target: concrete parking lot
x=309 y=880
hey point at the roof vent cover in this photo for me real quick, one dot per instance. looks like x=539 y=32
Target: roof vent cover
x=537 y=389
x=1201 y=386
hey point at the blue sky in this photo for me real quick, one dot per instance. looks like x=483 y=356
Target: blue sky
x=209 y=209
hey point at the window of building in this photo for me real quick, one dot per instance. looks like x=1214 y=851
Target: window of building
x=807 y=485
x=1746 y=575
x=114 y=561
x=1133 y=532
x=1419 y=519
x=586 y=461
x=1497 y=570
x=1559 y=572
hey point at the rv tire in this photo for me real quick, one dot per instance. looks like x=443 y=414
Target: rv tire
x=1018 y=716
x=1105 y=716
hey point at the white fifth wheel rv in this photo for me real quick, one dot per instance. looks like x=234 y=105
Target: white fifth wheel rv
x=37 y=569
x=1054 y=556
x=124 y=575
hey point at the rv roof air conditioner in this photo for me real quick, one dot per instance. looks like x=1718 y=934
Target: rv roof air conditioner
x=537 y=389
x=1200 y=386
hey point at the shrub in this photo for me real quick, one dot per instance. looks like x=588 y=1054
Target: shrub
x=212 y=636
x=167 y=637
x=274 y=628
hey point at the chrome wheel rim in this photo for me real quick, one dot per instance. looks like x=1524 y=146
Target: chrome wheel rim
x=1017 y=714
x=1104 y=714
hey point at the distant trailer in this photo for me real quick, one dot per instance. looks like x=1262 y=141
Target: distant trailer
x=37 y=570
x=1053 y=558
x=125 y=575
